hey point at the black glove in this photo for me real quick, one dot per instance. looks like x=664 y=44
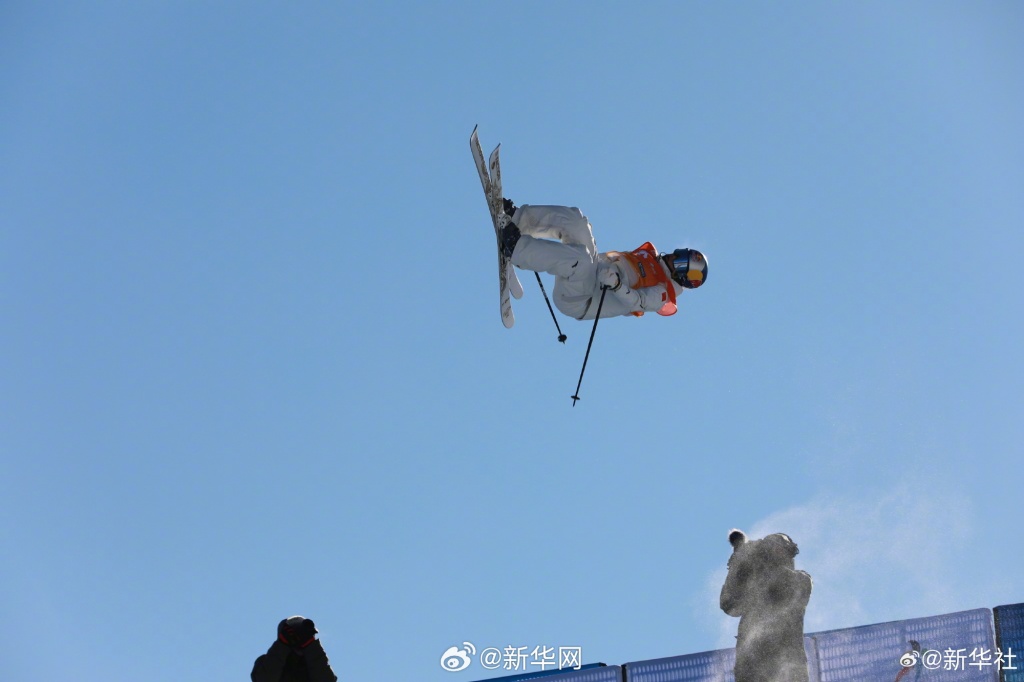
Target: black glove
x=297 y=632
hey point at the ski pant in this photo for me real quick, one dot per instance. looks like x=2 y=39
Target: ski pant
x=572 y=259
x=562 y=223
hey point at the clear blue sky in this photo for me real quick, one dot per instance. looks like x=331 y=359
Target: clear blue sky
x=251 y=361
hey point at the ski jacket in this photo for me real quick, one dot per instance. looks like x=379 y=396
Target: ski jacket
x=649 y=272
x=281 y=664
x=559 y=240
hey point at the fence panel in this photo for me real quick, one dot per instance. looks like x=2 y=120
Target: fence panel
x=951 y=648
x=1010 y=640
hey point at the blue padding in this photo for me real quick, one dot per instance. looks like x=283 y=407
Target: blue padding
x=873 y=652
x=707 y=666
x=1010 y=638
x=592 y=672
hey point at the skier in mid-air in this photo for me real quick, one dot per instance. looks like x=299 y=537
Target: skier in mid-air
x=559 y=240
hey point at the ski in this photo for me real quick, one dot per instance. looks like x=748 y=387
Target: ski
x=490 y=180
x=514 y=287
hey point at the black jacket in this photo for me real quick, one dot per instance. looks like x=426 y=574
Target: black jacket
x=281 y=664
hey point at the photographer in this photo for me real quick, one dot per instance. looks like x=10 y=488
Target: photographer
x=296 y=655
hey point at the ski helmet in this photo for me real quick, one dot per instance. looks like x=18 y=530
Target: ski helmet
x=689 y=267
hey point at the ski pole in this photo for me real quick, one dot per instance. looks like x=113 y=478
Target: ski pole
x=604 y=289
x=561 y=337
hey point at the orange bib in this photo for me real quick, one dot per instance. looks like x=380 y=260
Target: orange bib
x=647 y=263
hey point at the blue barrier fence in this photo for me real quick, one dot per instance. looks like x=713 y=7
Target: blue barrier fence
x=949 y=648
x=1010 y=637
x=981 y=645
x=592 y=672
x=705 y=666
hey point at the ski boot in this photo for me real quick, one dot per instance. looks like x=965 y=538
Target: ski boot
x=509 y=233
x=509 y=207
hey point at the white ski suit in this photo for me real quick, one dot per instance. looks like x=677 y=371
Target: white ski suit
x=577 y=266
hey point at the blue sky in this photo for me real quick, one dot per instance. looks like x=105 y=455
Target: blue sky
x=252 y=362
